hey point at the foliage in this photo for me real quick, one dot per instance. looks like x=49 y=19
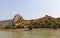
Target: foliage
x=35 y=25
x=19 y=26
x=7 y=27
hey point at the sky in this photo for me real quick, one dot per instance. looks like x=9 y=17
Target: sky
x=29 y=9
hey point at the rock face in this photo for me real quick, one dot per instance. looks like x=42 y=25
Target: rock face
x=17 y=17
x=17 y=20
x=11 y=23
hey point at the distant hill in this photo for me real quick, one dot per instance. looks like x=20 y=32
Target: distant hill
x=5 y=23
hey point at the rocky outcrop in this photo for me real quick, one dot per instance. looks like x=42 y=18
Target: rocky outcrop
x=17 y=17
x=16 y=21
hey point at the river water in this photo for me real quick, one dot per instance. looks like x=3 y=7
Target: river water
x=30 y=34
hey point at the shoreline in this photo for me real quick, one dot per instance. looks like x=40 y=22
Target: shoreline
x=35 y=29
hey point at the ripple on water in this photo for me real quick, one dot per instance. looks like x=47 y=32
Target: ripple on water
x=30 y=34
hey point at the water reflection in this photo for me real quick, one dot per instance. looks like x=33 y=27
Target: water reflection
x=30 y=34
x=6 y=34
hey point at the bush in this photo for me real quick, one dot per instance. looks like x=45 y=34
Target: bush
x=19 y=26
x=35 y=25
x=7 y=27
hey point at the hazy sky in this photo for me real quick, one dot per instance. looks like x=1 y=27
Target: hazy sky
x=29 y=9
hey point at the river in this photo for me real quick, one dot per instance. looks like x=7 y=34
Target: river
x=31 y=34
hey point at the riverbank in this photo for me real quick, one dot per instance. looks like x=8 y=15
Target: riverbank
x=36 y=29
